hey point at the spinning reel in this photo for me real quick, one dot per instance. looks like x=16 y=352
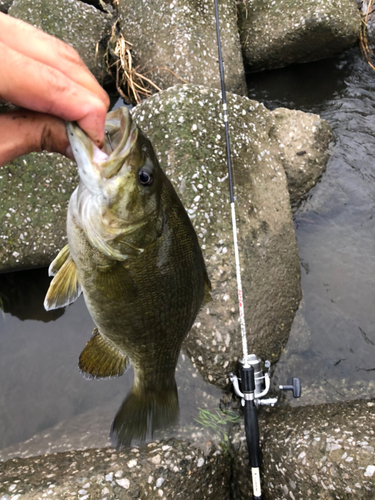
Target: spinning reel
x=255 y=385
x=262 y=383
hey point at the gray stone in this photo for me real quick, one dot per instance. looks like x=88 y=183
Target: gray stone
x=35 y=193
x=315 y=452
x=4 y=5
x=180 y=35
x=170 y=469
x=80 y=25
x=277 y=33
x=185 y=126
x=303 y=140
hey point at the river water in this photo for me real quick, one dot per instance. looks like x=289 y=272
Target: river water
x=332 y=342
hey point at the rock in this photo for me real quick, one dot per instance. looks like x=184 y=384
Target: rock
x=181 y=35
x=35 y=193
x=185 y=128
x=170 y=469
x=4 y=5
x=303 y=140
x=276 y=34
x=315 y=452
x=187 y=132
x=80 y=25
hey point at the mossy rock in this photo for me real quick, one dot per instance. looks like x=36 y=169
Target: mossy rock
x=275 y=34
x=80 y=25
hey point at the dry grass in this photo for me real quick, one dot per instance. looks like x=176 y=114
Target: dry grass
x=364 y=39
x=132 y=84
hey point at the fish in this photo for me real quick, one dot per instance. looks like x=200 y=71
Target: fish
x=134 y=255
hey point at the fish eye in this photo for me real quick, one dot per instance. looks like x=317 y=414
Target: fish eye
x=145 y=177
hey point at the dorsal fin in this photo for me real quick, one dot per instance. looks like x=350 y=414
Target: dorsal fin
x=102 y=359
x=64 y=288
x=59 y=261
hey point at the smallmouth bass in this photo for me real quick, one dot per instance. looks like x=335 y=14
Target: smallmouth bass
x=134 y=254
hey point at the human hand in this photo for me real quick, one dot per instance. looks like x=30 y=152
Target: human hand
x=48 y=78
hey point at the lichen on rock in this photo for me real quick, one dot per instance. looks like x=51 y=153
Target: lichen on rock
x=277 y=33
x=35 y=192
x=322 y=451
x=80 y=25
x=180 y=35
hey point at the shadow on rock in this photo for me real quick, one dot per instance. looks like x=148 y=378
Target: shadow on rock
x=22 y=294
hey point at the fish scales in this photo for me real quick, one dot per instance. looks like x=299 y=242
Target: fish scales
x=135 y=255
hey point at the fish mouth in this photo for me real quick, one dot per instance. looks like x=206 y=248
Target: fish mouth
x=95 y=165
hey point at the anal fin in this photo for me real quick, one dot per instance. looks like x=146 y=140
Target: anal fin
x=101 y=359
x=64 y=288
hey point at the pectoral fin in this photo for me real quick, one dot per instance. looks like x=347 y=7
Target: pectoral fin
x=59 y=261
x=64 y=288
x=102 y=359
x=116 y=284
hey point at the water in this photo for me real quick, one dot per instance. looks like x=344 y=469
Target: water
x=44 y=399
x=332 y=345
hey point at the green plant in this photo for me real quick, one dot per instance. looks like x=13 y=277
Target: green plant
x=219 y=421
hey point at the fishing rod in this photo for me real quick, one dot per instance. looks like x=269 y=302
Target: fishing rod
x=254 y=385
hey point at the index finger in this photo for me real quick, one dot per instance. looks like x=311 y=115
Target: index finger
x=46 y=49
x=33 y=85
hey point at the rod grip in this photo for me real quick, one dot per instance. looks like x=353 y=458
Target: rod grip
x=252 y=433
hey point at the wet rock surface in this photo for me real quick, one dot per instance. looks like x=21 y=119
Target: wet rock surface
x=324 y=451
x=35 y=193
x=181 y=36
x=304 y=141
x=187 y=132
x=323 y=388
x=159 y=470
x=276 y=34
x=80 y=25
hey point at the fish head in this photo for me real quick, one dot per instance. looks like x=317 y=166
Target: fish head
x=118 y=200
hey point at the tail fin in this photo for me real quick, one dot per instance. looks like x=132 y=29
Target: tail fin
x=144 y=412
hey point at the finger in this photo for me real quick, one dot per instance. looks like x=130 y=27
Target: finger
x=35 y=86
x=25 y=131
x=46 y=49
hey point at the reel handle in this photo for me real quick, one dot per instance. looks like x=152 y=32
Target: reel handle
x=295 y=387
